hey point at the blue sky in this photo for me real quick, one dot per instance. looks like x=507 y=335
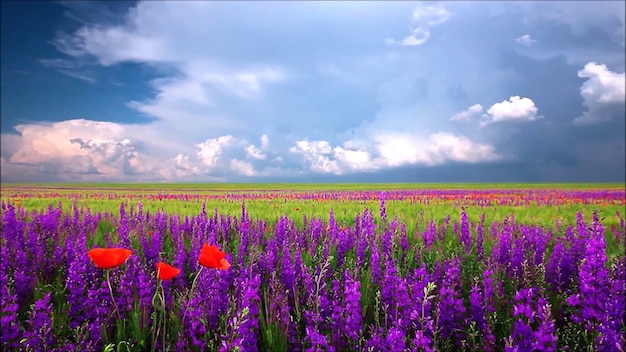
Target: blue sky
x=324 y=91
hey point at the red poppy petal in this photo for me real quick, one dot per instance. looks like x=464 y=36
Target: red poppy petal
x=224 y=264
x=108 y=258
x=210 y=256
x=166 y=271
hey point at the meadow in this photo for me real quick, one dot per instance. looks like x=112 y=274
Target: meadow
x=352 y=267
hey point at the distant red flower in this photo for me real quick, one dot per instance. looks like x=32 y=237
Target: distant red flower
x=212 y=257
x=108 y=258
x=297 y=209
x=166 y=271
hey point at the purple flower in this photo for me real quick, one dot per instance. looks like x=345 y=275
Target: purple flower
x=394 y=296
x=421 y=342
x=376 y=341
x=545 y=335
x=450 y=308
x=477 y=311
x=38 y=335
x=611 y=332
x=317 y=342
x=430 y=235
x=466 y=237
x=594 y=290
x=533 y=328
x=383 y=209
x=336 y=316
x=557 y=268
x=353 y=314
x=9 y=325
x=395 y=341
x=375 y=266
x=250 y=300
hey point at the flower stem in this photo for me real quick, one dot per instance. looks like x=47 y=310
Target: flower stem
x=117 y=310
x=193 y=287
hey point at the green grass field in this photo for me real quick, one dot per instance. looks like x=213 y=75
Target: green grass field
x=288 y=199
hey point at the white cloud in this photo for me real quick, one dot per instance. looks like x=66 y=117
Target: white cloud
x=95 y=150
x=313 y=147
x=436 y=149
x=255 y=153
x=525 y=40
x=424 y=18
x=210 y=150
x=265 y=142
x=604 y=94
x=516 y=108
x=189 y=95
x=388 y=150
x=243 y=168
x=468 y=114
x=84 y=150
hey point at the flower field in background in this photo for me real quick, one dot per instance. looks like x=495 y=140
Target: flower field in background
x=305 y=270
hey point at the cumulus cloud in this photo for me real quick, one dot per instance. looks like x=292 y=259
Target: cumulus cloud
x=604 y=94
x=525 y=40
x=468 y=114
x=514 y=109
x=242 y=167
x=388 y=150
x=210 y=150
x=424 y=18
x=265 y=142
x=84 y=150
x=97 y=150
x=254 y=152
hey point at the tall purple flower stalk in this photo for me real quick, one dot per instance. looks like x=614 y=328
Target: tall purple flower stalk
x=594 y=289
x=451 y=313
x=466 y=237
x=533 y=328
x=383 y=208
x=248 y=330
x=477 y=312
x=352 y=312
x=9 y=324
x=38 y=336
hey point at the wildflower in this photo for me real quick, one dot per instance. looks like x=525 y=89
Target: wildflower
x=39 y=333
x=108 y=258
x=166 y=271
x=212 y=257
x=297 y=208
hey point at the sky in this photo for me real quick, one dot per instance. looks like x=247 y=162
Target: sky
x=328 y=91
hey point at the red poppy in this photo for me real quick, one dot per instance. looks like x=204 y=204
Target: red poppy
x=108 y=258
x=297 y=209
x=212 y=257
x=166 y=271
